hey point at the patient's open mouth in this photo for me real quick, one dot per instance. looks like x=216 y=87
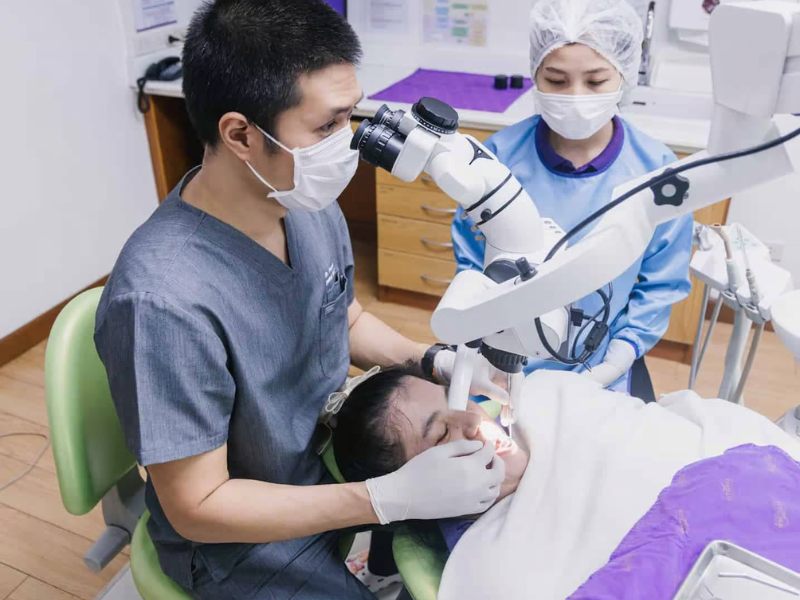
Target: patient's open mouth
x=503 y=445
x=492 y=432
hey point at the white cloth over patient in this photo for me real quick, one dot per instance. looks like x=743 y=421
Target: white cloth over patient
x=598 y=461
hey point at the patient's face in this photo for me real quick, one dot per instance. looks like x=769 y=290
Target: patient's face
x=424 y=420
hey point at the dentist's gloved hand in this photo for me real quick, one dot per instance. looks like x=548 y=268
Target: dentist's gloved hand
x=617 y=361
x=486 y=379
x=459 y=478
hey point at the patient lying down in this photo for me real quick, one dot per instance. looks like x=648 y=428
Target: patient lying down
x=395 y=415
x=586 y=464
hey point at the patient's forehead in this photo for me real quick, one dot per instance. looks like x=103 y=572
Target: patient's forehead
x=413 y=406
x=418 y=398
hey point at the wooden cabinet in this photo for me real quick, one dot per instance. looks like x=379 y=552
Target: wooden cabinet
x=415 y=237
x=174 y=148
x=418 y=201
x=414 y=273
x=415 y=252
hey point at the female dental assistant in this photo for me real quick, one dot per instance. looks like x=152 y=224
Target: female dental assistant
x=569 y=158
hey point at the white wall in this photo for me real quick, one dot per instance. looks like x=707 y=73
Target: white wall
x=75 y=174
x=772 y=211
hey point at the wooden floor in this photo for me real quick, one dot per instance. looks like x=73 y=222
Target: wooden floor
x=41 y=546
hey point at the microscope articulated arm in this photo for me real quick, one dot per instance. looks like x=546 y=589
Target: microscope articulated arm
x=619 y=238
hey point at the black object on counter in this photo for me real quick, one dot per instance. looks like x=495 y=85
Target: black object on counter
x=501 y=82
x=517 y=82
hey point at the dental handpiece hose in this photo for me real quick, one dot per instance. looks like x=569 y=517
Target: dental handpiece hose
x=755 y=298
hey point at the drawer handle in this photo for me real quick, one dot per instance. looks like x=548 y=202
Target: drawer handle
x=435 y=210
x=434 y=245
x=427 y=179
x=435 y=280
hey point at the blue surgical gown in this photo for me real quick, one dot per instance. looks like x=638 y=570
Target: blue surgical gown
x=644 y=294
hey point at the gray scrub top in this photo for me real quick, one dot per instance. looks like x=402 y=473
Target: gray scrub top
x=208 y=338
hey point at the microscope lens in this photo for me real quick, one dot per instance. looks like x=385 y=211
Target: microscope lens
x=378 y=144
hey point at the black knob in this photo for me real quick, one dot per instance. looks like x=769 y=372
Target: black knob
x=501 y=82
x=517 y=82
x=505 y=361
x=436 y=115
x=526 y=271
x=486 y=214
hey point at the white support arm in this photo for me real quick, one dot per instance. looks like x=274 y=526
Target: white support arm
x=619 y=238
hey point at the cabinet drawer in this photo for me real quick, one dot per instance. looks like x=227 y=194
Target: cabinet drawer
x=423 y=205
x=423 y=183
x=415 y=237
x=478 y=134
x=415 y=273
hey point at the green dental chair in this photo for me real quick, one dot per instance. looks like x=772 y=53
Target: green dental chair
x=420 y=565
x=92 y=462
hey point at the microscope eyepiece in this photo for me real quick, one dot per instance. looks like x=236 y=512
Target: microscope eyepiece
x=358 y=136
x=378 y=144
x=381 y=139
x=390 y=118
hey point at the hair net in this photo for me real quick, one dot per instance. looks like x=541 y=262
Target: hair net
x=610 y=27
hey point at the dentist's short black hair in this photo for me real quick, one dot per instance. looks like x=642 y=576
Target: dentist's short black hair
x=246 y=56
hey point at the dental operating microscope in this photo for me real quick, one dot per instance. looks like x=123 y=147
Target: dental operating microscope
x=517 y=238
x=520 y=305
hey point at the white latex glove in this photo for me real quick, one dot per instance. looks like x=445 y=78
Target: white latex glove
x=617 y=361
x=444 y=481
x=487 y=380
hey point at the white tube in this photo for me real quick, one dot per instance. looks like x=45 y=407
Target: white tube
x=712 y=323
x=748 y=366
x=696 y=355
x=734 y=355
x=462 y=378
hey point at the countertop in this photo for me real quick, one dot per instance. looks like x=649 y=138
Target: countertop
x=682 y=134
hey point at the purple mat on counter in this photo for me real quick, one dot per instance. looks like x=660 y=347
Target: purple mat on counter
x=749 y=496
x=459 y=90
x=339 y=6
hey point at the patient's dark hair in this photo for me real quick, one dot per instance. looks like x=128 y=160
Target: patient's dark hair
x=366 y=441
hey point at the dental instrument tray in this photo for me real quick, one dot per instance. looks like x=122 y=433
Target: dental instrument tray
x=725 y=571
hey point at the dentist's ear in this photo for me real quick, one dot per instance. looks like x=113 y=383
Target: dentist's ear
x=241 y=136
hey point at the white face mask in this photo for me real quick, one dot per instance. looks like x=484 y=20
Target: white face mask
x=577 y=117
x=321 y=172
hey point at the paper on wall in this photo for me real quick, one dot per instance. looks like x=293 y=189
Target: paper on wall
x=149 y=14
x=456 y=22
x=387 y=16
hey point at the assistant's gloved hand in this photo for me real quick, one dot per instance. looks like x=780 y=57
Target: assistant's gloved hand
x=617 y=361
x=459 y=478
x=487 y=380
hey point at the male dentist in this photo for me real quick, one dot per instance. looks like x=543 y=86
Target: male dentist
x=230 y=317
